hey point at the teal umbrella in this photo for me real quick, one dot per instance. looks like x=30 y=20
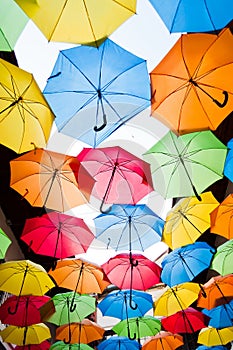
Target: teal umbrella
x=5 y=242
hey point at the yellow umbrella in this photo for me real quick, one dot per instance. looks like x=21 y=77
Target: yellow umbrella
x=25 y=116
x=80 y=22
x=34 y=334
x=211 y=336
x=188 y=219
x=177 y=298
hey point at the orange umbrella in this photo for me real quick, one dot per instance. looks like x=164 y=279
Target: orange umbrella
x=221 y=218
x=192 y=86
x=218 y=291
x=44 y=178
x=163 y=341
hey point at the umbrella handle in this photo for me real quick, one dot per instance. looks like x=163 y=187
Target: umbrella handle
x=106 y=210
x=223 y=104
x=101 y=127
x=133 y=307
x=72 y=306
x=67 y=342
x=133 y=337
x=203 y=291
x=15 y=310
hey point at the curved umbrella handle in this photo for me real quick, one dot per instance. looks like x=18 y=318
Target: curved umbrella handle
x=132 y=338
x=67 y=342
x=72 y=306
x=101 y=127
x=14 y=311
x=104 y=211
x=223 y=104
x=133 y=307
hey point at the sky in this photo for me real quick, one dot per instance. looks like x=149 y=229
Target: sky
x=145 y=35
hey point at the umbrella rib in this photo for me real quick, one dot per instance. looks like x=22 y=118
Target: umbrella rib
x=58 y=19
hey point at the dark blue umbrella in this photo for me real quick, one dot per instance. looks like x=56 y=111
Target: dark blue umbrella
x=183 y=264
x=194 y=16
x=118 y=304
x=119 y=343
x=129 y=227
x=220 y=316
x=93 y=91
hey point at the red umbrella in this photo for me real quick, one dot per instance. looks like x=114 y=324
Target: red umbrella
x=121 y=177
x=45 y=345
x=57 y=235
x=27 y=311
x=185 y=321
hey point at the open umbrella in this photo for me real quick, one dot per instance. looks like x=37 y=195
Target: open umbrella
x=221 y=218
x=211 y=336
x=57 y=235
x=188 y=219
x=25 y=116
x=129 y=227
x=94 y=91
x=201 y=16
x=163 y=341
x=118 y=304
x=220 y=316
x=119 y=343
x=60 y=345
x=228 y=163
x=223 y=258
x=78 y=22
x=45 y=345
x=5 y=242
x=191 y=86
x=120 y=177
x=45 y=178
x=217 y=347
x=185 y=166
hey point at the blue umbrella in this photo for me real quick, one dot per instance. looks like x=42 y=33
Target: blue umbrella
x=93 y=91
x=228 y=166
x=119 y=343
x=217 y=347
x=118 y=304
x=129 y=227
x=194 y=16
x=183 y=264
x=220 y=316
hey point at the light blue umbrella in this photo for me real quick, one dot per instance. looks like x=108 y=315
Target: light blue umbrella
x=119 y=343
x=217 y=347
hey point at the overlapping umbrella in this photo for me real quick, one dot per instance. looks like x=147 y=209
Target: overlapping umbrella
x=163 y=341
x=5 y=242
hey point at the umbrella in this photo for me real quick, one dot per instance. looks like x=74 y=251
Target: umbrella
x=218 y=290
x=185 y=166
x=201 y=16
x=129 y=227
x=191 y=87
x=24 y=277
x=189 y=320
x=188 y=219
x=185 y=263
x=138 y=327
x=221 y=218
x=34 y=334
x=220 y=316
x=223 y=258
x=217 y=347
x=176 y=298
x=211 y=336
x=94 y=91
x=60 y=345
x=78 y=22
x=25 y=117
x=57 y=235
x=121 y=177
x=45 y=178
x=228 y=163
x=119 y=343
x=5 y=242
x=45 y=345
x=117 y=304
x=163 y=341
x=83 y=332
x=83 y=306
x=27 y=312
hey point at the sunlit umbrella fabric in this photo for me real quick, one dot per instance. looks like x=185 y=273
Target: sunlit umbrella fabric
x=211 y=336
x=223 y=258
x=5 y=242
x=221 y=218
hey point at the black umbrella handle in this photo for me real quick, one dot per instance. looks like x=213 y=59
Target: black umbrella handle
x=223 y=104
x=101 y=127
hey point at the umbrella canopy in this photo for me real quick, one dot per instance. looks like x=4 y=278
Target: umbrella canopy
x=176 y=299
x=27 y=311
x=185 y=166
x=83 y=332
x=120 y=177
x=45 y=178
x=211 y=336
x=34 y=334
x=185 y=263
x=118 y=304
x=129 y=227
x=45 y=345
x=78 y=22
x=60 y=345
x=189 y=320
x=94 y=91
x=80 y=276
x=202 y=16
x=228 y=163
x=217 y=347
x=220 y=316
x=5 y=242
x=163 y=341
x=223 y=258
x=188 y=219
x=221 y=218
x=191 y=89
x=25 y=116
x=57 y=235
x=69 y=308
x=119 y=343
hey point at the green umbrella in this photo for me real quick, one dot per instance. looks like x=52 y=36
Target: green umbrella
x=4 y=243
x=60 y=345
x=137 y=327
x=222 y=260
x=12 y=22
x=83 y=305
x=186 y=165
